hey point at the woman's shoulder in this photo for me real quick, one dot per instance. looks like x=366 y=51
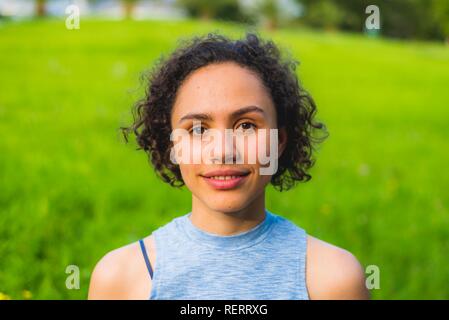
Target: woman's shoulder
x=117 y=272
x=333 y=272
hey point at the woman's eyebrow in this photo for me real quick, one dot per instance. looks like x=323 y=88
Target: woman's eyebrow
x=208 y=117
x=196 y=116
x=247 y=109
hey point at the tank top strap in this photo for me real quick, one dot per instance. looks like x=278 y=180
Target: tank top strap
x=145 y=256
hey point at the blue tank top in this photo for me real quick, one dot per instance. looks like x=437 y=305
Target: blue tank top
x=265 y=262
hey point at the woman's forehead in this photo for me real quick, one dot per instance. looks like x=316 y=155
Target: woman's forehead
x=221 y=89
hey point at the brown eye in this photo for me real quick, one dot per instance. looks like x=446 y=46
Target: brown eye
x=246 y=126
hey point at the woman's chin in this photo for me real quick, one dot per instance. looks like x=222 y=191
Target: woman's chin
x=225 y=205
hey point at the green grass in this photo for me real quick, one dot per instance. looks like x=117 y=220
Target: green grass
x=72 y=190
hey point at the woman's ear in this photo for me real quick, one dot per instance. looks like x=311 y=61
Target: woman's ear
x=282 y=140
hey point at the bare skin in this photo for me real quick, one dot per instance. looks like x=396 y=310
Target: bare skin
x=221 y=91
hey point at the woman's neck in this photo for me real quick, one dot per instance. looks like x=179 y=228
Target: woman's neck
x=229 y=222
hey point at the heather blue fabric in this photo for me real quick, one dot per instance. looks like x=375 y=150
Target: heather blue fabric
x=265 y=262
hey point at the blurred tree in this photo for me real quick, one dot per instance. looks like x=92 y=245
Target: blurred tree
x=40 y=8
x=407 y=19
x=323 y=14
x=354 y=13
x=272 y=13
x=128 y=7
x=440 y=12
x=399 y=18
x=218 y=9
x=269 y=11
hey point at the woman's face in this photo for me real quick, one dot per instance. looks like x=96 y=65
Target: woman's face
x=218 y=97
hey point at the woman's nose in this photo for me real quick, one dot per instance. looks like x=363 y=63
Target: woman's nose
x=224 y=150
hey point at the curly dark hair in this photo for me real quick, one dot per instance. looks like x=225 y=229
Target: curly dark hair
x=294 y=106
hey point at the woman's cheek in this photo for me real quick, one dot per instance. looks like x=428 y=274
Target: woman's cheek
x=248 y=150
x=262 y=147
x=188 y=173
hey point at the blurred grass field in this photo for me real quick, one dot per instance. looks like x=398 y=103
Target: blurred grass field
x=72 y=190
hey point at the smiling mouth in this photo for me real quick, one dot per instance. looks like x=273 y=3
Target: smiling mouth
x=224 y=180
x=225 y=177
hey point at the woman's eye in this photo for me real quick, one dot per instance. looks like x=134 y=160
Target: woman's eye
x=198 y=130
x=246 y=126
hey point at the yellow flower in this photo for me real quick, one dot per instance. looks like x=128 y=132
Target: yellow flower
x=4 y=296
x=27 y=294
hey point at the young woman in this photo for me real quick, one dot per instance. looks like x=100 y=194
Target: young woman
x=229 y=245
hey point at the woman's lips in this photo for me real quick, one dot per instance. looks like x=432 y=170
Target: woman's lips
x=225 y=179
